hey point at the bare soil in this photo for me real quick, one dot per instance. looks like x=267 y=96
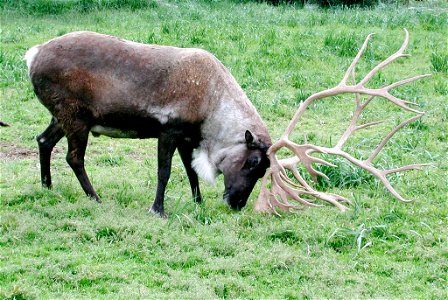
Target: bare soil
x=11 y=151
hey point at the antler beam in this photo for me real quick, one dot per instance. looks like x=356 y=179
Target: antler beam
x=284 y=188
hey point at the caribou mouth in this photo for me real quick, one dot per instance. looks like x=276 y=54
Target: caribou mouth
x=236 y=206
x=225 y=197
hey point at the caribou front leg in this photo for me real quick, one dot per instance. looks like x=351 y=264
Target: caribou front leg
x=186 y=154
x=166 y=147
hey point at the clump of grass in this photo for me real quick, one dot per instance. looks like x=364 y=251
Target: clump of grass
x=316 y=19
x=433 y=21
x=107 y=233
x=344 y=175
x=344 y=239
x=441 y=87
x=301 y=96
x=202 y=214
x=110 y=160
x=199 y=37
x=298 y=80
x=113 y=234
x=8 y=222
x=124 y=196
x=346 y=3
x=18 y=293
x=342 y=43
x=439 y=62
x=151 y=38
x=288 y=237
x=419 y=125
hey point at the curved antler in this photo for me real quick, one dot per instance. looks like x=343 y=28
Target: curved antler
x=283 y=188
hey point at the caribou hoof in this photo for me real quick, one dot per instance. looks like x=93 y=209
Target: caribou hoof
x=160 y=214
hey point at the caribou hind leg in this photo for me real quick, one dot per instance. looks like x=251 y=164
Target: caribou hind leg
x=46 y=141
x=77 y=136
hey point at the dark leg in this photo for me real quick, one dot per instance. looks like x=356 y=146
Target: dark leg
x=166 y=147
x=77 y=144
x=186 y=154
x=46 y=141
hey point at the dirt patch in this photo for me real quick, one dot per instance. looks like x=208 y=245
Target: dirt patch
x=11 y=151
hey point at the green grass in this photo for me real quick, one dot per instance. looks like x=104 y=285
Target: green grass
x=439 y=62
x=60 y=244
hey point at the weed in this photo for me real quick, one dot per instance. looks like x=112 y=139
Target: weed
x=288 y=237
x=439 y=62
x=151 y=38
x=433 y=21
x=441 y=87
x=107 y=233
x=343 y=239
x=342 y=43
x=17 y=293
x=109 y=160
x=344 y=175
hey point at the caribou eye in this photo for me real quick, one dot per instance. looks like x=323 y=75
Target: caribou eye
x=252 y=162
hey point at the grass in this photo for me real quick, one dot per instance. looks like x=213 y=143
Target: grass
x=60 y=244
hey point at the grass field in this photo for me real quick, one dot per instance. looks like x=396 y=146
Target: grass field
x=60 y=244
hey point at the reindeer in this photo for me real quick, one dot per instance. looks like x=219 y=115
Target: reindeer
x=184 y=97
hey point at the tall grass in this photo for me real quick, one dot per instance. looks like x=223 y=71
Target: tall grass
x=51 y=7
x=439 y=62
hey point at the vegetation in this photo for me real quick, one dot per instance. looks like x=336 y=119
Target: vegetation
x=347 y=3
x=326 y=3
x=60 y=244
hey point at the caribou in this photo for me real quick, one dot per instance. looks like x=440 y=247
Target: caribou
x=184 y=97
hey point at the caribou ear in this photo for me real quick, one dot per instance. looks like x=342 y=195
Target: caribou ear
x=251 y=141
x=249 y=137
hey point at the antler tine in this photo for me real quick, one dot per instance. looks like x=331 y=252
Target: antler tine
x=352 y=127
x=291 y=164
x=334 y=199
x=263 y=203
x=303 y=153
x=389 y=136
x=391 y=189
x=388 y=60
x=401 y=103
x=406 y=81
x=289 y=181
x=407 y=168
x=367 y=101
x=292 y=194
x=351 y=69
x=368 y=125
x=267 y=201
x=405 y=42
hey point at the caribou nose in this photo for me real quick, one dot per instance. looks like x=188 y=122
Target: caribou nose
x=235 y=206
x=238 y=205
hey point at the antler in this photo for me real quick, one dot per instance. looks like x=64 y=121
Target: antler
x=284 y=188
